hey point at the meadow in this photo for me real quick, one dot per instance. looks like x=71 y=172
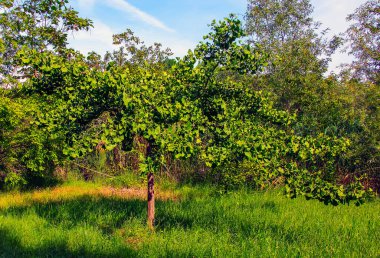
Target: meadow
x=79 y=219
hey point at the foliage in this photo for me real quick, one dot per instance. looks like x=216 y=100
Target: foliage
x=363 y=37
x=273 y=23
x=298 y=61
x=134 y=52
x=27 y=154
x=195 y=108
x=38 y=25
x=298 y=54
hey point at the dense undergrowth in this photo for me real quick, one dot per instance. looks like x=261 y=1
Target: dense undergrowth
x=96 y=220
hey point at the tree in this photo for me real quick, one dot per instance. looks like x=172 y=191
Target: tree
x=363 y=37
x=40 y=25
x=298 y=55
x=275 y=22
x=133 y=51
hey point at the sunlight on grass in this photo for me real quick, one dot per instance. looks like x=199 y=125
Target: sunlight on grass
x=75 y=190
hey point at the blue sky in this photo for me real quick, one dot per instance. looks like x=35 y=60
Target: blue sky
x=180 y=24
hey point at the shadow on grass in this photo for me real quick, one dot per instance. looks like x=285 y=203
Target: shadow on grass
x=109 y=214
x=104 y=213
x=11 y=246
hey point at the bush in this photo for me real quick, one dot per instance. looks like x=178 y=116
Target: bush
x=28 y=156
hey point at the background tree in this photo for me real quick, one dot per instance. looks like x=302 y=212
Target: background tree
x=363 y=37
x=296 y=75
x=133 y=51
x=298 y=54
x=40 y=25
x=360 y=83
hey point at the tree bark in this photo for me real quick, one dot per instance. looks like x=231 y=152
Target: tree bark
x=151 y=201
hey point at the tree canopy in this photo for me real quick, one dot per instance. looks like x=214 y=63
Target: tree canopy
x=363 y=37
x=41 y=25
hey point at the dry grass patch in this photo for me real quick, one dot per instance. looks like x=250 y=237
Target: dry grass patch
x=69 y=192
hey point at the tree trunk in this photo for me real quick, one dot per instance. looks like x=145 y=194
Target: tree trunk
x=151 y=201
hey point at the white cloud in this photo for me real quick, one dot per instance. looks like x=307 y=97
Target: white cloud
x=86 y=4
x=143 y=16
x=333 y=13
x=180 y=47
x=98 y=39
x=176 y=43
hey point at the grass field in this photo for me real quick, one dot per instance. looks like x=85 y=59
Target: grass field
x=90 y=220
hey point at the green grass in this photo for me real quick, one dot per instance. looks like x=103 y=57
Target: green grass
x=198 y=224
